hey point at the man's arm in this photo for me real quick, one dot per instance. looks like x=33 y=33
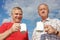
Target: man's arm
x=27 y=38
x=5 y=34
x=15 y=27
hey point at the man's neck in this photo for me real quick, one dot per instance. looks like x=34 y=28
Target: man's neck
x=16 y=22
x=44 y=19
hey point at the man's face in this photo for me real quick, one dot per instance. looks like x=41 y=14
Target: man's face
x=43 y=10
x=16 y=15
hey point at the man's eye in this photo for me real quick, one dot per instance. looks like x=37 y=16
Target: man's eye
x=40 y=9
x=20 y=14
x=44 y=9
x=16 y=13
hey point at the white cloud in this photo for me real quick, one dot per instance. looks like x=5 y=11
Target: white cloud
x=30 y=6
x=0 y=15
x=58 y=14
x=6 y=20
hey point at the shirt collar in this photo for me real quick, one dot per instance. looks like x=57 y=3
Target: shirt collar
x=47 y=19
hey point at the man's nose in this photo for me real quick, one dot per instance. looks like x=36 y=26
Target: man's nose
x=43 y=11
x=18 y=15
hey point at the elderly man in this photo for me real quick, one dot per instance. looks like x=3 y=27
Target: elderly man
x=12 y=30
x=51 y=27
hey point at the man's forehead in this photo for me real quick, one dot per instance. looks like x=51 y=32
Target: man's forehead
x=43 y=5
x=16 y=10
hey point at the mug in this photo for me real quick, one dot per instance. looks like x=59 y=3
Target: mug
x=40 y=26
x=23 y=27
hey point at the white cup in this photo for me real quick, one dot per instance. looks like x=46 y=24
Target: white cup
x=23 y=27
x=40 y=26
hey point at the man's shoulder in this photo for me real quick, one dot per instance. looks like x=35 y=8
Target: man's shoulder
x=6 y=23
x=54 y=19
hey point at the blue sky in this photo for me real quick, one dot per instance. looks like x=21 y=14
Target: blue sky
x=30 y=14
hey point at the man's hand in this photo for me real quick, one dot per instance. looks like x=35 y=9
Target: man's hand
x=49 y=29
x=15 y=27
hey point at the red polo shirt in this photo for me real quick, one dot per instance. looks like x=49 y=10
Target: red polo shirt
x=14 y=36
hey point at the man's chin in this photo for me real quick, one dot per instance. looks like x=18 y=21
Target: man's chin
x=43 y=16
x=17 y=21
